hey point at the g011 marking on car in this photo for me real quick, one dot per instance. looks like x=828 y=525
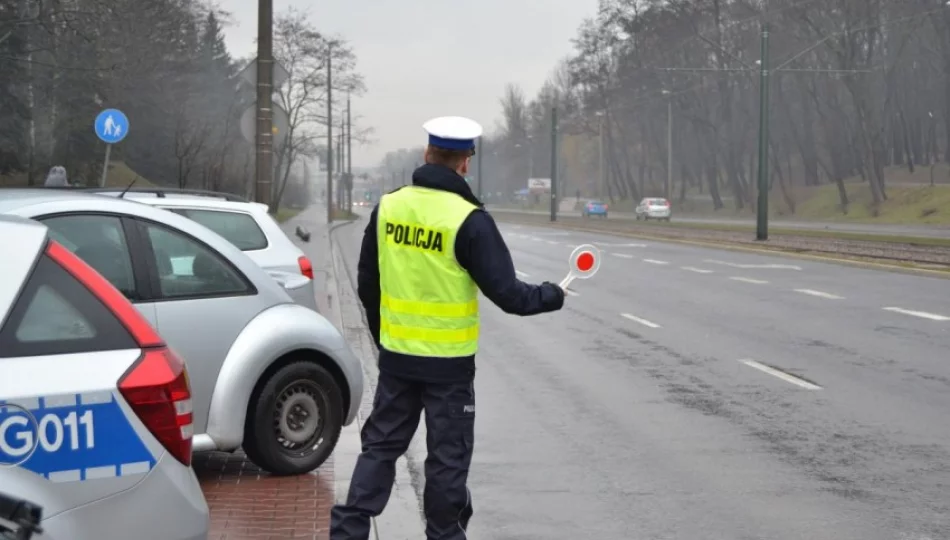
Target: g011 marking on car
x=71 y=438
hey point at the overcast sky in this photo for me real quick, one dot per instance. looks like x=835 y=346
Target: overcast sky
x=427 y=58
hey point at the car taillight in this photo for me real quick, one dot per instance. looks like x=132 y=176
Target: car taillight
x=305 y=267
x=157 y=389
x=605 y=207
x=156 y=386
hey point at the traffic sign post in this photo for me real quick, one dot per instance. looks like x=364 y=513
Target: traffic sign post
x=112 y=126
x=584 y=263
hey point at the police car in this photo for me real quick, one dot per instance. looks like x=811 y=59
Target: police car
x=95 y=409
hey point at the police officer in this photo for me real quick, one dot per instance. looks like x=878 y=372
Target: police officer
x=427 y=251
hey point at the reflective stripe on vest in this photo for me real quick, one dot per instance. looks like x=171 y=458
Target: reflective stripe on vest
x=429 y=303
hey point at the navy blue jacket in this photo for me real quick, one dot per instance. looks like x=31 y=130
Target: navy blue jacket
x=479 y=249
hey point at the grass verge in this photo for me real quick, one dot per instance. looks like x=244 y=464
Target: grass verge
x=283 y=214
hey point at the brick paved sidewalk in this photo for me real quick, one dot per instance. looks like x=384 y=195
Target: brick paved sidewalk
x=248 y=503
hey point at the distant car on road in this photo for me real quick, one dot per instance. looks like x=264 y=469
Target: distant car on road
x=267 y=374
x=654 y=208
x=247 y=225
x=594 y=208
x=95 y=410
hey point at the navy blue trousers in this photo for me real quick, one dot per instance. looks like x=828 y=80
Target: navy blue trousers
x=450 y=428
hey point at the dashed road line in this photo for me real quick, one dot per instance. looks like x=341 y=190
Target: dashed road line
x=787 y=377
x=921 y=314
x=521 y=274
x=819 y=294
x=552 y=242
x=697 y=270
x=636 y=319
x=749 y=280
x=654 y=261
x=748 y=266
x=622 y=255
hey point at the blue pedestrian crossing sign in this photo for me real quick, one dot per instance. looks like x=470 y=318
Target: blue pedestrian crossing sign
x=112 y=126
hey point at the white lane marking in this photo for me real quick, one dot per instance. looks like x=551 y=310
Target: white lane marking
x=697 y=270
x=552 y=242
x=536 y=239
x=620 y=245
x=921 y=314
x=820 y=294
x=781 y=375
x=749 y=280
x=636 y=319
x=747 y=266
x=622 y=255
x=572 y=293
x=521 y=274
x=654 y=261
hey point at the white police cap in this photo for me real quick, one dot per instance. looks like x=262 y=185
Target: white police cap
x=453 y=132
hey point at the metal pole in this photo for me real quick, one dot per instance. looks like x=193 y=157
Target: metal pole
x=341 y=165
x=602 y=185
x=478 y=178
x=265 y=89
x=105 y=166
x=669 y=149
x=554 y=163
x=330 y=133
x=349 y=157
x=762 y=214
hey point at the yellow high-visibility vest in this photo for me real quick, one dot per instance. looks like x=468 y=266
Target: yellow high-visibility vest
x=429 y=303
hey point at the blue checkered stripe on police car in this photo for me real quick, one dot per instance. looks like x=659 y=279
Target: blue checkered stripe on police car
x=72 y=438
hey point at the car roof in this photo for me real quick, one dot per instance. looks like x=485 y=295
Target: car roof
x=184 y=199
x=28 y=203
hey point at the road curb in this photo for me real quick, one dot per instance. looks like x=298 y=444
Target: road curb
x=733 y=247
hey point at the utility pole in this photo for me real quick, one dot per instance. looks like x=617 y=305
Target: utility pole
x=554 y=155
x=762 y=208
x=349 y=157
x=478 y=178
x=602 y=186
x=265 y=90
x=341 y=162
x=330 y=133
x=669 y=149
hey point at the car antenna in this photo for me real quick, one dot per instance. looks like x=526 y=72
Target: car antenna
x=127 y=188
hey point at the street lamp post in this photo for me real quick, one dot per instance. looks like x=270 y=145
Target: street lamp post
x=762 y=208
x=669 y=145
x=554 y=163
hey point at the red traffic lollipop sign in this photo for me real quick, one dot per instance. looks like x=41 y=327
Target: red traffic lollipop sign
x=584 y=263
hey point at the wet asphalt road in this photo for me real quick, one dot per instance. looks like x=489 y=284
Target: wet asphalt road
x=642 y=409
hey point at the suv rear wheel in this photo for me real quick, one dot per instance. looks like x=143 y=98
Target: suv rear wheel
x=294 y=421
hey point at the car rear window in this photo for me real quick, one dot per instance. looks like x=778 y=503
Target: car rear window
x=658 y=202
x=56 y=314
x=237 y=228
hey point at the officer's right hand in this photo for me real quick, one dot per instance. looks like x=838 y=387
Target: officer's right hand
x=552 y=296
